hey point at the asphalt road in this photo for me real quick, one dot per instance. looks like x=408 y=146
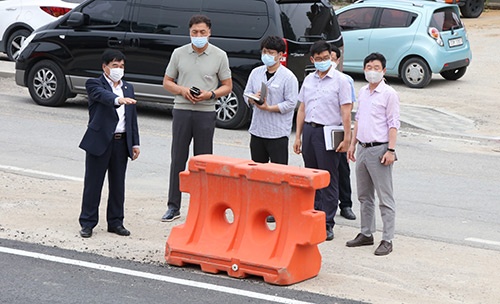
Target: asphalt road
x=37 y=274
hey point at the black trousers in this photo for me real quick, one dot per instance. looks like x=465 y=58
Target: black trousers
x=274 y=150
x=114 y=162
x=186 y=126
x=345 y=190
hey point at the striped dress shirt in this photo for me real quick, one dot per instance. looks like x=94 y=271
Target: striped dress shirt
x=282 y=90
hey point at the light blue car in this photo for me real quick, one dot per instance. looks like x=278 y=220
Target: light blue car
x=417 y=38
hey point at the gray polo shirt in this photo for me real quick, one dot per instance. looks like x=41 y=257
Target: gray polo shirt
x=203 y=71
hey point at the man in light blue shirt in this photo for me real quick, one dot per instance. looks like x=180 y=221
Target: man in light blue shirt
x=272 y=120
x=326 y=100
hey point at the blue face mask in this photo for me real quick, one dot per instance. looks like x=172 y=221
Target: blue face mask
x=199 y=42
x=323 y=66
x=268 y=60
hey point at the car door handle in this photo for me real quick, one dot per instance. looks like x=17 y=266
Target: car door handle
x=11 y=9
x=361 y=38
x=135 y=42
x=113 y=41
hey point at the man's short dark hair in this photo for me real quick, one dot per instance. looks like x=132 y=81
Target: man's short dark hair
x=373 y=57
x=273 y=43
x=196 y=19
x=110 y=55
x=319 y=47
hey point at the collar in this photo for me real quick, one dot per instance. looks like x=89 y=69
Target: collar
x=120 y=84
x=329 y=74
x=206 y=51
x=379 y=89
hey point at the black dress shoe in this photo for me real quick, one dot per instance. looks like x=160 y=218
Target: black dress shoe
x=120 y=230
x=347 y=213
x=86 y=232
x=360 y=240
x=171 y=215
x=329 y=233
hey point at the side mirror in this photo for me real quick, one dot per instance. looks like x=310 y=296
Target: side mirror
x=76 y=19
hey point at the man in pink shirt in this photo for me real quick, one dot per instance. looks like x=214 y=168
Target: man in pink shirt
x=375 y=131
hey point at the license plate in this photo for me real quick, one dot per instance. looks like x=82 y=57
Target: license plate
x=455 y=42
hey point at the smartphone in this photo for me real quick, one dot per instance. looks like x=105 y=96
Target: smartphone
x=194 y=91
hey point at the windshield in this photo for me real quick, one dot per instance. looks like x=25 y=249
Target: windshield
x=309 y=22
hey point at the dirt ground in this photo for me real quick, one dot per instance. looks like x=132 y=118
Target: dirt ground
x=45 y=211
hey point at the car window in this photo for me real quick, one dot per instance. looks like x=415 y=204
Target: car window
x=164 y=17
x=446 y=19
x=248 y=19
x=104 y=13
x=356 y=19
x=396 y=18
x=309 y=22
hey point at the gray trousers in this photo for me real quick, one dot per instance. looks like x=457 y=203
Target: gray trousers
x=188 y=125
x=373 y=176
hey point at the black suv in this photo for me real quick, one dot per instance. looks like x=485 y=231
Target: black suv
x=61 y=56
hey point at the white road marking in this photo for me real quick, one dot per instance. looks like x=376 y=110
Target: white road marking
x=151 y=276
x=483 y=241
x=42 y=173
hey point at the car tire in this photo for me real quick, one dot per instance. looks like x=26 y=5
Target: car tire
x=454 y=74
x=416 y=73
x=472 y=8
x=231 y=111
x=14 y=43
x=46 y=84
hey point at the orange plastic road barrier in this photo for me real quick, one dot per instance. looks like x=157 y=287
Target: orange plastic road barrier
x=226 y=229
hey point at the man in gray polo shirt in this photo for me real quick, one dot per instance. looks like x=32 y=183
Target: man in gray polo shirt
x=200 y=65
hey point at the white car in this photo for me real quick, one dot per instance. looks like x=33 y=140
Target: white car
x=21 y=17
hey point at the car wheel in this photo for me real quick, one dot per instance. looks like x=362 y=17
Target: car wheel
x=46 y=84
x=416 y=73
x=231 y=111
x=454 y=74
x=472 y=8
x=14 y=43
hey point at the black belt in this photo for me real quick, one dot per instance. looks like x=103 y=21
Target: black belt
x=315 y=125
x=371 y=144
x=119 y=135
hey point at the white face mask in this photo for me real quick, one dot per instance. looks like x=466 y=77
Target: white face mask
x=374 y=76
x=116 y=74
x=334 y=65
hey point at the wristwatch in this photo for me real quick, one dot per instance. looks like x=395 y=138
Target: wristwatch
x=391 y=150
x=213 y=95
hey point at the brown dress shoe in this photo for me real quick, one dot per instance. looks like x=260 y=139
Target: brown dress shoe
x=360 y=240
x=384 y=248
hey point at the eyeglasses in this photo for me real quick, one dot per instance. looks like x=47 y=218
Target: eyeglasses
x=320 y=59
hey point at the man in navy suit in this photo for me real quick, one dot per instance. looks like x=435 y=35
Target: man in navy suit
x=112 y=136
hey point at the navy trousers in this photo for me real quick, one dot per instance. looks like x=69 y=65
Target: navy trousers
x=114 y=162
x=316 y=156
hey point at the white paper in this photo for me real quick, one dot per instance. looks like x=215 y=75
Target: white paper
x=328 y=135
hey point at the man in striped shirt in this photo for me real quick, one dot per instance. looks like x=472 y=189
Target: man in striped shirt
x=272 y=120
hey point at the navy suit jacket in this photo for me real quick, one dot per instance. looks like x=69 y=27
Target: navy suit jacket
x=103 y=117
